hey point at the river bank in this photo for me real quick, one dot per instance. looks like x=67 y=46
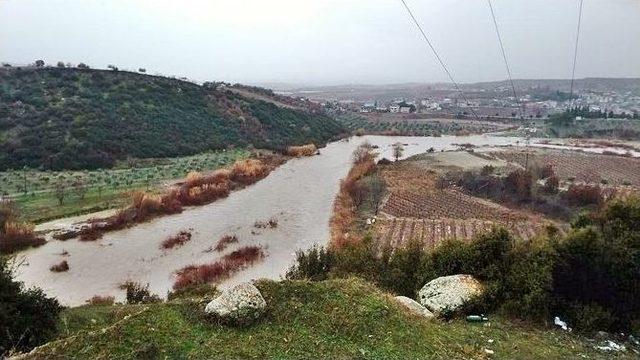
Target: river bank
x=299 y=195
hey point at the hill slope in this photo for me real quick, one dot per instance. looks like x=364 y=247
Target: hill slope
x=335 y=319
x=64 y=118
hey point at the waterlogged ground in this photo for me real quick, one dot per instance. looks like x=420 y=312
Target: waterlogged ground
x=299 y=194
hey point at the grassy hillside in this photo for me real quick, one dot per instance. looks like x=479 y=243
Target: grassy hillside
x=305 y=320
x=66 y=118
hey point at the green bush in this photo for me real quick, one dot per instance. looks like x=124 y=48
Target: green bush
x=138 y=294
x=28 y=318
x=590 y=277
x=313 y=264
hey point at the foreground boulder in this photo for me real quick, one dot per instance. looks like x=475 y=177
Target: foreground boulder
x=241 y=305
x=449 y=293
x=414 y=307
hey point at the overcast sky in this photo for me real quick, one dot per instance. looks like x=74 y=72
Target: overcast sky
x=325 y=42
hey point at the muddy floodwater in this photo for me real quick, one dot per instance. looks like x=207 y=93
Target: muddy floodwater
x=299 y=194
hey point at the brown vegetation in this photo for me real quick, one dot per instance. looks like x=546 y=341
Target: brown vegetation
x=219 y=270
x=345 y=204
x=303 y=150
x=225 y=241
x=248 y=171
x=176 y=240
x=196 y=189
x=60 y=267
x=584 y=194
x=16 y=236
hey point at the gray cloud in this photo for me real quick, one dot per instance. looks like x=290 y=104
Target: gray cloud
x=325 y=41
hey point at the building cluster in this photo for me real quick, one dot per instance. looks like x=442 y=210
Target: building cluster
x=487 y=104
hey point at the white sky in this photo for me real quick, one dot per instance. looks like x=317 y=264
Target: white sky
x=325 y=42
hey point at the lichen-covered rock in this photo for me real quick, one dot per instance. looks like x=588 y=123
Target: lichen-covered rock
x=414 y=307
x=449 y=293
x=241 y=305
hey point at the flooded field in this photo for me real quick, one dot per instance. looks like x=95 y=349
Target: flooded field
x=299 y=194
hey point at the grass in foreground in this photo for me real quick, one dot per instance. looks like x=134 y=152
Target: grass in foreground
x=329 y=319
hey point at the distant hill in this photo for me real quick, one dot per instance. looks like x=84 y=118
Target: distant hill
x=68 y=118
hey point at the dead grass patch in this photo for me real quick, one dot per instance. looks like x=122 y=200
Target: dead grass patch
x=303 y=150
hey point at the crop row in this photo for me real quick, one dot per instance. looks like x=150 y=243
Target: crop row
x=127 y=176
x=397 y=232
x=575 y=166
x=445 y=203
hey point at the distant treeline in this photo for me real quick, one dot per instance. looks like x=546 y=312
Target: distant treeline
x=80 y=118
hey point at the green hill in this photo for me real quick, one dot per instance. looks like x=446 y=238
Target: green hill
x=68 y=118
x=334 y=319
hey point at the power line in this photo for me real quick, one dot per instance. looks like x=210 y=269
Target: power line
x=575 y=52
x=504 y=56
x=433 y=49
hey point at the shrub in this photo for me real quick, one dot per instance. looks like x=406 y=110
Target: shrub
x=300 y=151
x=17 y=236
x=314 y=264
x=248 y=171
x=219 y=270
x=594 y=270
x=519 y=183
x=176 y=240
x=28 y=318
x=349 y=195
x=60 y=267
x=225 y=241
x=582 y=194
x=590 y=277
x=552 y=184
x=138 y=294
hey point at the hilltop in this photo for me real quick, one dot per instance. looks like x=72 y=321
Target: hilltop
x=334 y=319
x=79 y=118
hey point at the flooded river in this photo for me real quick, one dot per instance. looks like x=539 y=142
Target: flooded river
x=299 y=194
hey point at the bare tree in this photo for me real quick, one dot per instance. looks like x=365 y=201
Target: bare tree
x=362 y=152
x=377 y=189
x=80 y=187
x=398 y=150
x=60 y=191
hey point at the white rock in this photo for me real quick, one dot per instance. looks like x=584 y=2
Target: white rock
x=449 y=293
x=241 y=304
x=414 y=307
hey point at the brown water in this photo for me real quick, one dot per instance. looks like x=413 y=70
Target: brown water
x=299 y=194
